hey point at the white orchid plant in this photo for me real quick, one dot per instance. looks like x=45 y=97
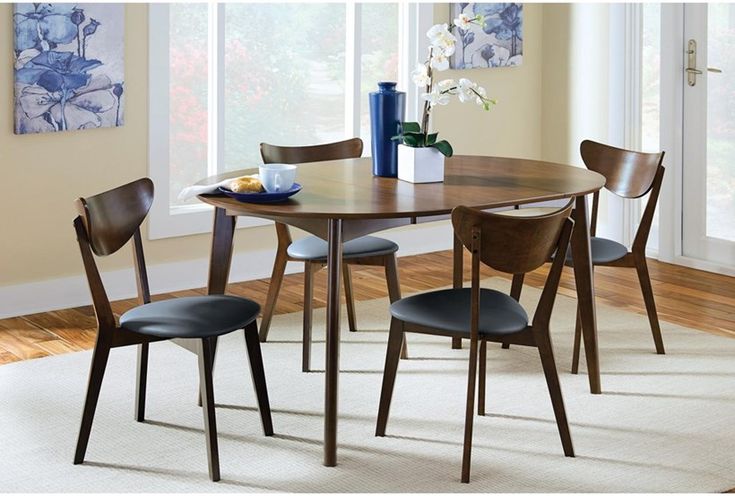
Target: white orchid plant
x=442 y=46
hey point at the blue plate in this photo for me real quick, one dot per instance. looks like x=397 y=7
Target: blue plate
x=264 y=197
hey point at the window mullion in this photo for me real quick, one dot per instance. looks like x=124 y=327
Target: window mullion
x=353 y=68
x=215 y=88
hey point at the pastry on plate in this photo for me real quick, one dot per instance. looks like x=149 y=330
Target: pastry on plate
x=246 y=185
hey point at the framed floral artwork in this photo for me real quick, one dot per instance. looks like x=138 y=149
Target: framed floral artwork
x=69 y=66
x=495 y=41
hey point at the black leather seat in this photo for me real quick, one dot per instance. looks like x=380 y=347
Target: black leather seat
x=191 y=317
x=449 y=310
x=603 y=251
x=313 y=248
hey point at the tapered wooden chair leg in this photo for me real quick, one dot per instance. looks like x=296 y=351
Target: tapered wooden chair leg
x=483 y=377
x=213 y=350
x=647 y=290
x=349 y=297
x=308 y=311
x=394 y=291
x=210 y=422
x=96 y=374
x=395 y=338
x=469 y=413
x=577 y=344
x=141 y=380
x=543 y=341
x=515 y=292
x=279 y=268
x=258 y=375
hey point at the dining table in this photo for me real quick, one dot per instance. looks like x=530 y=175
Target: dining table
x=342 y=200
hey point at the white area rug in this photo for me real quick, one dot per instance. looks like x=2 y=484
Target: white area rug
x=664 y=423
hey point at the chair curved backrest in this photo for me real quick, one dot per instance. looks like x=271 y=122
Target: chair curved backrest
x=111 y=218
x=515 y=245
x=629 y=174
x=351 y=148
x=511 y=244
x=106 y=222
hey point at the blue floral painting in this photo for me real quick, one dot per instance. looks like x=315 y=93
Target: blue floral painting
x=69 y=66
x=497 y=42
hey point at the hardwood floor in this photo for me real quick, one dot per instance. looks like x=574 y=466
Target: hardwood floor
x=692 y=298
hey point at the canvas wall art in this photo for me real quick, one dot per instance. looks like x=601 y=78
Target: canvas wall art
x=497 y=42
x=69 y=66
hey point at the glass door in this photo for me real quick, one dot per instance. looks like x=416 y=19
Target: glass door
x=708 y=165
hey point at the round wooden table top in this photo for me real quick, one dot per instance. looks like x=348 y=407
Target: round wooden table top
x=347 y=189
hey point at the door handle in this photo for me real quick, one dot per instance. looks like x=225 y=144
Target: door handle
x=691 y=70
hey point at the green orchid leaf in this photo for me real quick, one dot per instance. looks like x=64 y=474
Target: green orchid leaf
x=420 y=138
x=431 y=139
x=444 y=148
x=410 y=127
x=410 y=140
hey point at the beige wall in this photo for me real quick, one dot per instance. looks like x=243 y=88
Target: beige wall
x=43 y=174
x=575 y=61
x=513 y=127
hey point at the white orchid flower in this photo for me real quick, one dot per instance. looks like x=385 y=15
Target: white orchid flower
x=447 y=86
x=481 y=95
x=464 y=91
x=436 y=98
x=420 y=75
x=463 y=21
x=439 y=61
x=441 y=39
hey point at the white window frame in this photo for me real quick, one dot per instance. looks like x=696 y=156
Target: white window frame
x=166 y=221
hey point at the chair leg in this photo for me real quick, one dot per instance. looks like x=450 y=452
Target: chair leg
x=577 y=343
x=483 y=377
x=258 y=375
x=96 y=374
x=394 y=290
x=213 y=350
x=395 y=338
x=210 y=422
x=469 y=413
x=279 y=268
x=141 y=382
x=546 y=352
x=308 y=311
x=515 y=292
x=647 y=290
x=349 y=297
x=577 y=340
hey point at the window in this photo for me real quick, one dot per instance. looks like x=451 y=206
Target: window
x=651 y=96
x=226 y=77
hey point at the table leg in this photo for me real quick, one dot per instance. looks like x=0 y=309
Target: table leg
x=221 y=256
x=583 y=277
x=457 y=278
x=334 y=273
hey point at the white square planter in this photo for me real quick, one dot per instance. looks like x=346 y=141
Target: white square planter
x=420 y=165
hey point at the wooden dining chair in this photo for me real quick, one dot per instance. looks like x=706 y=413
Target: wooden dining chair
x=514 y=245
x=312 y=251
x=629 y=174
x=106 y=222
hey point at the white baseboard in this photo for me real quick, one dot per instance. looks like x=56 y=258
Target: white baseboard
x=69 y=292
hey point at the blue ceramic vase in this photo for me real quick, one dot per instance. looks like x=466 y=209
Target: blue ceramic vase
x=387 y=111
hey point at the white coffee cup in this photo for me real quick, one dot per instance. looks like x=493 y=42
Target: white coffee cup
x=277 y=178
